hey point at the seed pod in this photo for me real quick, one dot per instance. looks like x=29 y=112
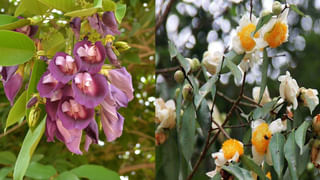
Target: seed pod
x=187 y=92
x=179 y=76
x=195 y=64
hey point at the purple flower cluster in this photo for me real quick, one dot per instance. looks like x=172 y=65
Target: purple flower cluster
x=73 y=88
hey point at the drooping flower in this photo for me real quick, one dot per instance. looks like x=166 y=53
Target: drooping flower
x=12 y=78
x=165 y=113
x=122 y=80
x=231 y=150
x=48 y=86
x=261 y=136
x=309 y=97
x=112 y=57
x=289 y=89
x=265 y=97
x=75 y=25
x=89 y=90
x=105 y=25
x=91 y=56
x=242 y=41
x=92 y=134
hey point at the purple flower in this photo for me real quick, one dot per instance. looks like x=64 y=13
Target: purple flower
x=7 y=72
x=91 y=56
x=27 y=30
x=48 y=86
x=111 y=55
x=12 y=78
x=121 y=79
x=75 y=24
x=63 y=67
x=120 y=98
x=107 y=25
x=92 y=134
x=89 y=90
x=74 y=115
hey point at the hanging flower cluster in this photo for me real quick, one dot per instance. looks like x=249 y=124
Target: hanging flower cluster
x=75 y=87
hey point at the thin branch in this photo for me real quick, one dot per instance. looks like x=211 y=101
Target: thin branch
x=251 y=7
x=12 y=129
x=136 y=167
x=234 y=126
x=163 y=17
x=166 y=70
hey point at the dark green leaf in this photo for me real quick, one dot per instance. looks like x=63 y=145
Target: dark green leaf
x=67 y=175
x=95 y=172
x=120 y=12
x=203 y=117
x=251 y=165
x=7 y=158
x=204 y=90
x=40 y=171
x=264 y=73
x=290 y=155
x=174 y=53
x=262 y=21
x=9 y=22
x=16 y=48
x=311 y=103
x=276 y=149
x=63 y=5
x=30 y=8
x=296 y=9
x=172 y=49
x=231 y=60
x=29 y=145
x=300 y=135
x=82 y=12
x=239 y=173
x=217 y=177
x=261 y=112
x=109 y=5
x=17 y=111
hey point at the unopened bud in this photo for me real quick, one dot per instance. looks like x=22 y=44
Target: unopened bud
x=276 y=7
x=160 y=136
x=177 y=92
x=121 y=46
x=35 y=20
x=195 y=64
x=32 y=101
x=179 y=76
x=187 y=92
x=34 y=117
x=316 y=124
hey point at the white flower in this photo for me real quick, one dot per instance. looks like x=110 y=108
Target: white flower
x=261 y=135
x=289 y=89
x=236 y=1
x=275 y=32
x=213 y=57
x=309 y=97
x=165 y=113
x=242 y=41
x=265 y=97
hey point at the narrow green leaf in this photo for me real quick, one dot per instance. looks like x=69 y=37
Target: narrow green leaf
x=178 y=108
x=4 y=172
x=95 y=172
x=67 y=175
x=234 y=70
x=30 y=8
x=262 y=21
x=204 y=90
x=63 y=5
x=172 y=50
x=300 y=135
x=97 y=4
x=203 y=117
x=82 y=12
x=7 y=158
x=16 y=48
x=174 y=53
x=262 y=112
x=187 y=133
x=264 y=73
x=276 y=149
x=17 y=111
x=291 y=156
x=120 y=11
x=251 y=165
x=10 y=23
x=28 y=147
x=239 y=173
x=296 y=9
x=40 y=171
x=109 y=5
x=230 y=61
x=311 y=103
x=54 y=43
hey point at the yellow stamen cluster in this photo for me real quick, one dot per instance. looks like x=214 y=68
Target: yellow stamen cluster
x=268 y=175
x=247 y=42
x=277 y=35
x=261 y=138
x=231 y=147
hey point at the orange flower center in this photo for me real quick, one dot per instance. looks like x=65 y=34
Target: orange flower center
x=261 y=138
x=231 y=147
x=277 y=35
x=247 y=42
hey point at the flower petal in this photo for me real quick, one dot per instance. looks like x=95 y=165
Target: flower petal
x=12 y=87
x=46 y=86
x=75 y=24
x=121 y=79
x=109 y=20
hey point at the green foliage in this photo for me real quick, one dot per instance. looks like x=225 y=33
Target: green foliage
x=262 y=21
x=251 y=165
x=176 y=55
x=204 y=90
x=296 y=9
x=63 y=5
x=291 y=155
x=300 y=135
x=40 y=171
x=238 y=172
x=264 y=72
x=120 y=11
x=94 y=172
x=276 y=146
x=7 y=158
x=30 y=7
x=18 y=110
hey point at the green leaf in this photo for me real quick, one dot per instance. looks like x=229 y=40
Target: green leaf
x=16 y=48
x=7 y=158
x=95 y=172
x=276 y=149
x=217 y=177
x=38 y=69
x=296 y=9
x=290 y=155
x=40 y=171
x=4 y=172
x=239 y=173
x=28 y=147
x=204 y=90
x=67 y=175
x=187 y=133
x=175 y=54
x=10 y=22
x=230 y=61
x=178 y=107
x=109 y=5
x=262 y=21
x=17 y=111
x=203 y=117
x=264 y=73
x=97 y=4
x=63 y=5
x=310 y=103
x=54 y=43
x=120 y=11
x=82 y=12
x=234 y=70
x=251 y=165
x=262 y=112
x=31 y=7
x=300 y=135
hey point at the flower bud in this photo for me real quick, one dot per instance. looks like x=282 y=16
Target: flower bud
x=187 y=92
x=121 y=46
x=212 y=61
x=179 y=76
x=309 y=97
x=177 y=92
x=316 y=124
x=32 y=101
x=276 y=7
x=195 y=64
x=34 y=117
x=160 y=136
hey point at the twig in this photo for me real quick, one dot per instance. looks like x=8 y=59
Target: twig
x=166 y=70
x=136 y=167
x=164 y=15
x=234 y=126
x=251 y=6
x=12 y=129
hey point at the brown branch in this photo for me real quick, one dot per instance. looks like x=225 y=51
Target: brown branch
x=136 y=167
x=165 y=70
x=163 y=17
x=140 y=134
x=12 y=129
x=234 y=126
